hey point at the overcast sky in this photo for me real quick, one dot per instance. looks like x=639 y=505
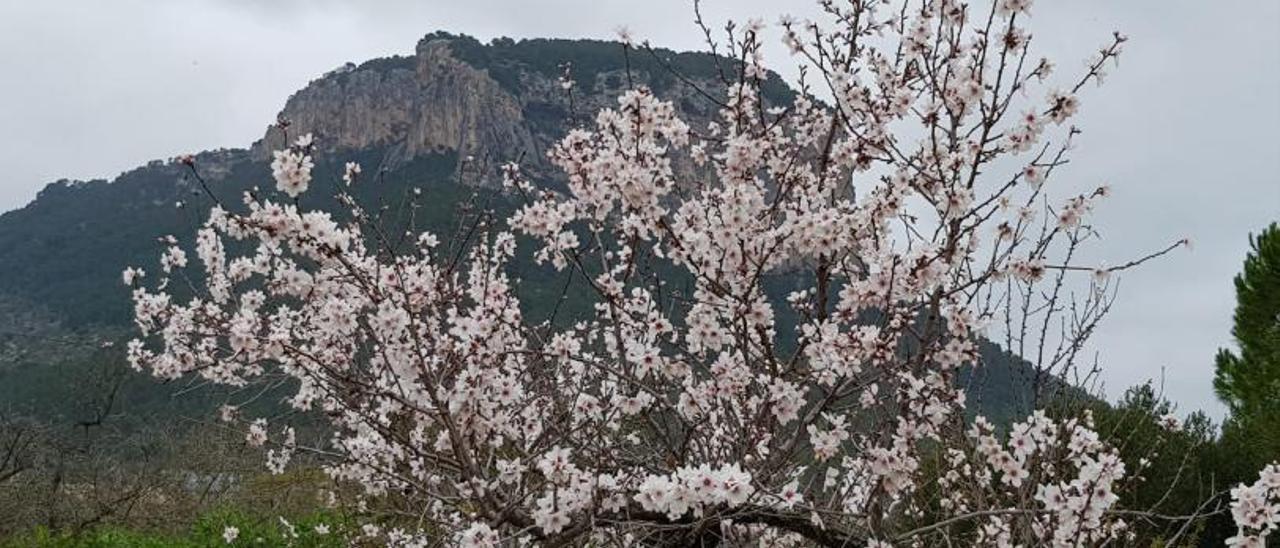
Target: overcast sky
x=1185 y=130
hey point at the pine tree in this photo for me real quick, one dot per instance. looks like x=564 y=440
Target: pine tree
x=1249 y=382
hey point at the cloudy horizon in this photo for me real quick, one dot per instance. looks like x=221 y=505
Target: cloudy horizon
x=1183 y=130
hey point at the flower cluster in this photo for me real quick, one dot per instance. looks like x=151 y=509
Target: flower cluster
x=292 y=167
x=693 y=396
x=1256 y=509
x=1063 y=467
x=694 y=489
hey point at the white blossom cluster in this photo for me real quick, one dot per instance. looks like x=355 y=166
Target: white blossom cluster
x=1062 y=465
x=292 y=167
x=685 y=402
x=1256 y=509
x=692 y=489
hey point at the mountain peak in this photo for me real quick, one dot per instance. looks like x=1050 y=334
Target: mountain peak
x=426 y=104
x=407 y=117
x=496 y=102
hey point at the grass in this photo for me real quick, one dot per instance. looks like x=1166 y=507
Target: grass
x=254 y=531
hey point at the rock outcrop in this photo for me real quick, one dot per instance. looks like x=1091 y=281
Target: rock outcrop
x=494 y=103
x=432 y=104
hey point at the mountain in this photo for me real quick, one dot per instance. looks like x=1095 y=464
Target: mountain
x=408 y=117
x=439 y=121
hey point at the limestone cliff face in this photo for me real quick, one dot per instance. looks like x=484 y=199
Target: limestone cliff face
x=494 y=102
x=429 y=103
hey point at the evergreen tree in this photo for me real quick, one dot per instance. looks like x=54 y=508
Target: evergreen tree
x=1249 y=382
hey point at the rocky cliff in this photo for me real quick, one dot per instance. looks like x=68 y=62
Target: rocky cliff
x=495 y=103
x=428 y=104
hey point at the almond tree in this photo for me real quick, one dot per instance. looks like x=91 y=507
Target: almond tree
x=907 y=184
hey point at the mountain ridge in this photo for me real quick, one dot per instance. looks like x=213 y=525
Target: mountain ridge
x=411 y=121
x=407 y=109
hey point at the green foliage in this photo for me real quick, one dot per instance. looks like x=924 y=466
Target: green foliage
x=208 y=531
x=1249 y=382
x=104 y=538
x=299 y=533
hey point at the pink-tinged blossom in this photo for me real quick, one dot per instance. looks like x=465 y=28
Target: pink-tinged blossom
x=257 y=434
x=350 y=173
x=686 y=391
x=1014 y=7
x=291 y=167
x=132 y=275
x=1256 y=508
x=478 y=535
